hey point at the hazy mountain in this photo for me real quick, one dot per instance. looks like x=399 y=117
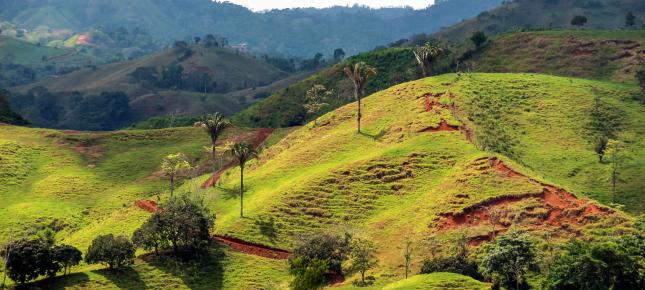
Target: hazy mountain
x=301 y=32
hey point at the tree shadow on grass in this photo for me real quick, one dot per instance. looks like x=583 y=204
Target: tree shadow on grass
x=376 y=137
x=267 y=228
x=75 y=280
x=201 y=271
x=126 y=278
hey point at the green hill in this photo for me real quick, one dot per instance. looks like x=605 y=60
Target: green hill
x=418 y=169
x=7 y=115
x=190 y=80
x=437 y=281
x=546 y=14
x=599 y=54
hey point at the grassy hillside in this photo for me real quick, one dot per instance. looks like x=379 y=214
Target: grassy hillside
x=546 y=14
x=599 y=54
x=417 y=170
x=437 y=281
x=326 y=177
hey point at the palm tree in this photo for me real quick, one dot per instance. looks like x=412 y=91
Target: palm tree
x=425 y=55
x=359 y=73
x=243 y=152
x=214 y=125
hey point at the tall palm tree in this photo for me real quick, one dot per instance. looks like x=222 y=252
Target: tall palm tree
x=359 y=73
x=214 y=125
x=243 y=152
x=425 y=55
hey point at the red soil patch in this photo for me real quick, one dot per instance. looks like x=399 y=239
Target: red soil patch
x=252 y=248
x=235 y=244
x=564 y=209
x=147 y=205
x=443 y=126
x=261 y=135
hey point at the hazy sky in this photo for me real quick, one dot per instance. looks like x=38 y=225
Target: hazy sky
x=269 y=4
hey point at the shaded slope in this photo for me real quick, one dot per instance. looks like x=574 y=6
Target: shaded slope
x=7 y=115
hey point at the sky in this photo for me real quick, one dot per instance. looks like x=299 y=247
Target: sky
x=258 y=5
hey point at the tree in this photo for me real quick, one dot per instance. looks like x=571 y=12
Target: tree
x=29 y=259
x=67 y=256
x=618 y=157
x=183 y=223
x=339 y=54
x=332 y=248
x=478 y=38
x=359 y=73
x=116 y=252
x=601 y=147
x=507 y=260
x=214 y=125
x=308 y=274
x=407 y=255
x=640 y=77
x=362 y=257
x=630 y=19
x=316 y=100
x=173 y=166
x=606 y=265
x=578 y=20
x=425 y=55
x=243 y=152
x=150 y=236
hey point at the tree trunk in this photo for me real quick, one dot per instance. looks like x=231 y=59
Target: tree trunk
x=613 y=185
x=172 y=185
x=363 y=277
x=358 y=99
x=241 y=190
x=175 y=248
x=214 y=163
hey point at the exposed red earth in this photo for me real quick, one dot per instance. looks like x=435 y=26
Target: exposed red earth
x=564 y=210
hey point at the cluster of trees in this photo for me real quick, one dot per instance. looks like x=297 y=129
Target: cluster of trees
x=173 y=77
x=318 y=258
x=7 y=115
x=508 y=261
x=105 y=111
x=29 y=258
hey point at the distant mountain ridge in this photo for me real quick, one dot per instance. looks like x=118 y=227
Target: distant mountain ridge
x=299 y=32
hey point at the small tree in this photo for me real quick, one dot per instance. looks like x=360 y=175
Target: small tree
x=316 y=100
x=150 y=236
x=243 y=152
x=183 y=223
x=507 y=260
x=425 y=55
x=339 y=54
x=308 y=274
x=214 y=125
x=67 y=256
x=173 y=166
x=495 y=217
x=601 y=147
x=640 y=77
x=359 y=74
x=407 y=255
x=579 y=20
x=630 y=19
x=618 y=157
x=116 y=252
x=478 y=38
x=332 y=248
x=363 y=257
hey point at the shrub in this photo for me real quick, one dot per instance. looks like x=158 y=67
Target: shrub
x=116 y=252
x=334 y=249
x=308 y=274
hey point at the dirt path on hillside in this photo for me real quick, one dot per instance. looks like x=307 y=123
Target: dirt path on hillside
x=234 y=243
x=261 y=136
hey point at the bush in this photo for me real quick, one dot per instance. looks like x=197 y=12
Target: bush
x=452 y=264
x=308 y=274
x=606 y=265
x=334 y=249
x=507 y=260
x=116 y=252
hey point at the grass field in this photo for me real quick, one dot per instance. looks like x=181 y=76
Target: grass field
x=395 y=180
x=437 y=281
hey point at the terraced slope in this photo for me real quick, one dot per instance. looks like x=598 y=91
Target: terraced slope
x=419 y=169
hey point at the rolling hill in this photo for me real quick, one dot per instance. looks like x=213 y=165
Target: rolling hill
x=546 y=14
x=597 y=54
x=420 y=158
x=190 y=80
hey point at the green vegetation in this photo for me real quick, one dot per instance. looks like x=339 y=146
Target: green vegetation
x=116 y=252
x=173 y=166
x=242 y=152
x=7 y=115
x=437 y=281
